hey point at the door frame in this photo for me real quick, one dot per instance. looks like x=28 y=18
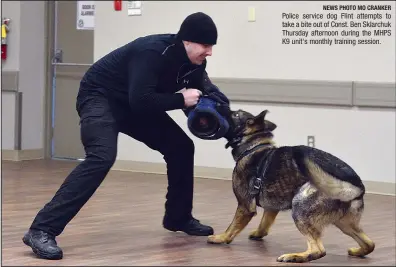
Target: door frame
x=48 y=101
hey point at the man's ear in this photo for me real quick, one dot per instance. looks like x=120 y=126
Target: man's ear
x=269 y=126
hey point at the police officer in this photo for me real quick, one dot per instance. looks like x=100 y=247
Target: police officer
x=129 y=91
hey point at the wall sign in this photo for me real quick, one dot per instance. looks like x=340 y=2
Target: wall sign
x=134 y=8
x=85 y=15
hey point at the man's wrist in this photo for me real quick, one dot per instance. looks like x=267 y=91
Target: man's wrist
x=181 y=100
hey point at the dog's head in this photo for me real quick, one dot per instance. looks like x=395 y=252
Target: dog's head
x=244 y=124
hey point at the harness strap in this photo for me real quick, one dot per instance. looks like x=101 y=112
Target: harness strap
x=261 y=172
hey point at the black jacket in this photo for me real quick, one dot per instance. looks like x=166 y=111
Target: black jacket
x=147 y=72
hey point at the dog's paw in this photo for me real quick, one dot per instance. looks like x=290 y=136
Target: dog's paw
x=300 y=257
x=356 y=252
x=256 y=235
x=359 y=252
x=217 y=239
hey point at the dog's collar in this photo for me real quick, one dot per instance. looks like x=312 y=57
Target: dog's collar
x=239 y=150
x=243 y=151
x=236 y=138
x=236 y=135
x=234 y=141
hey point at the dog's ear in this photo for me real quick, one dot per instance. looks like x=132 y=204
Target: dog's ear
x=269 y=126
x=262 y=114
x=259 y=119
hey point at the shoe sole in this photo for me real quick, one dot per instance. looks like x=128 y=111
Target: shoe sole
x=28 y=242
x=199 y=233
x=190 y=233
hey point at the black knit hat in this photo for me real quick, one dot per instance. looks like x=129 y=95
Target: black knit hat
x=198 y=28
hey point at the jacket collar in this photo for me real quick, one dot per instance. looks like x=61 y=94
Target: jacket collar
x=177 y=51
x=181 y=52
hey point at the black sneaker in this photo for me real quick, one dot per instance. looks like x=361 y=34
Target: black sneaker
x=43 y=245
x=192 y=227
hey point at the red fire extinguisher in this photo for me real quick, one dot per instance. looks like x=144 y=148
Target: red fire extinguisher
x=117 y=5
x=4 y=30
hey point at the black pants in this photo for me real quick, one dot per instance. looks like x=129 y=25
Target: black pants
x=101 y=122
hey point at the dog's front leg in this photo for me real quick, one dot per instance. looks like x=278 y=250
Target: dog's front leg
x=241 y=219
x=265 y=224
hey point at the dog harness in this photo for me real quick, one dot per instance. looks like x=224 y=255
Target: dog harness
x=261 y=173
x=263 y=163
x=262 y=169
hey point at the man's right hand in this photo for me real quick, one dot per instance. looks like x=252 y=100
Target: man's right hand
x=191 y=97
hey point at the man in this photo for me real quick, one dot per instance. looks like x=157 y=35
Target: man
x=129 y=91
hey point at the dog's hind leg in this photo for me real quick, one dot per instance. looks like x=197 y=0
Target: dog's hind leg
x=310 y=216
x=241 y=219
x=349 y=225
x=265 y=224
x=315 y=248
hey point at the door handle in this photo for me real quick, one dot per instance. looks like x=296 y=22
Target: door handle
x=58 y=56
x=58 y=60
x=70 y=64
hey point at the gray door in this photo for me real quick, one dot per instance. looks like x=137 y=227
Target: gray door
x=73 y=54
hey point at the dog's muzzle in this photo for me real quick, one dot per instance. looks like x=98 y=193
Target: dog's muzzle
x=205 y=122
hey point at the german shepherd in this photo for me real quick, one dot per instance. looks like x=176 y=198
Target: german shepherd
x=319 y=188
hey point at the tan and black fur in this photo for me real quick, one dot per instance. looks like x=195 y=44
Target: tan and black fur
x=319 y=188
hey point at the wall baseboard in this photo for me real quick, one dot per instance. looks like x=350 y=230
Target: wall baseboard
x=373 y=187
x=19 y=155
x=160 y=168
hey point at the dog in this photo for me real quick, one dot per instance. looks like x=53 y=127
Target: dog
x=318 y=188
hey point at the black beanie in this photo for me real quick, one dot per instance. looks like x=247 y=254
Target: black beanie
x=198 y=28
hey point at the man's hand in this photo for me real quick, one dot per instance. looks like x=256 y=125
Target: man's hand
x=191 y=97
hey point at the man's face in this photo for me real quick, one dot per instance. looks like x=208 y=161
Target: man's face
x=197 y=53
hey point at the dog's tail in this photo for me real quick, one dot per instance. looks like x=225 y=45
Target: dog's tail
x=329 y=174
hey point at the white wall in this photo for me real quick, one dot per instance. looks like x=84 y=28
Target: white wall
x=363 y=138
x=32 y=73
x=26 y=55
x=12 y=10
